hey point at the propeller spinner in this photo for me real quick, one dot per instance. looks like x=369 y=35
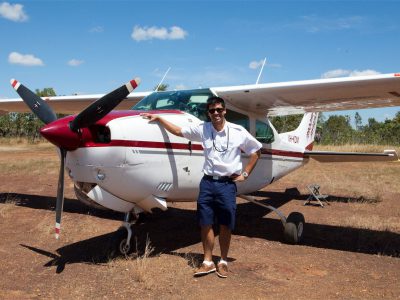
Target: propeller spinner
x=90 y=115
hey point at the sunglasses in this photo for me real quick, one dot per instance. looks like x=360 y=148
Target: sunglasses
x=218 y=110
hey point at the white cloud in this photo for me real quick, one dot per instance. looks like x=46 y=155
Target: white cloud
x=314 y=24
x=97 y=29
x=13 y=12
x=24 y=59
x=256 y=64
x=335 y=73
x=161 y=33
x=363 y=73
x=180 y=87
x=349 y=73
x=75 y=62
x=219 y=49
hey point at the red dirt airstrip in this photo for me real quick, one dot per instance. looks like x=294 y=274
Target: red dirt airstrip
x=351 y=248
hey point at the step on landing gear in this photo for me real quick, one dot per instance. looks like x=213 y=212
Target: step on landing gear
x=293 y=225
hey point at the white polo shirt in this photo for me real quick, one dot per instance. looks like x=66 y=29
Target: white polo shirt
x=222 y=149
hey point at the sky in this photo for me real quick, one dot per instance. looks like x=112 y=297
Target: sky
x=89 y=47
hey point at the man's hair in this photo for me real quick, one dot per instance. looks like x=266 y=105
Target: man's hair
x=215 y=100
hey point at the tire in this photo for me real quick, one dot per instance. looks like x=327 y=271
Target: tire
x=118 y=245
x=294 y=228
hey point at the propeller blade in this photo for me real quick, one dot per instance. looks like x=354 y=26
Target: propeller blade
x=103 y=106
x=60 y=194
x=37 y=105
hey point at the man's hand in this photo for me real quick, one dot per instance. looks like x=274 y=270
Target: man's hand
x=164 y=123
x=150 y=117
x=237 y=178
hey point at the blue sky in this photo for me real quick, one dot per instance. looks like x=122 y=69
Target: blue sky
x=95 y=46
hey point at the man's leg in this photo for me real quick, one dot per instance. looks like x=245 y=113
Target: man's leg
x=224 y=241
x=207 y=238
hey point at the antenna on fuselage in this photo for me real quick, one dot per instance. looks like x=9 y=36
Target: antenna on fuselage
x=262 y=67
x=169 y=68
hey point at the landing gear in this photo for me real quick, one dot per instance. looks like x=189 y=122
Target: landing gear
x=122 y=242
x=293 y=225
x=293 y=228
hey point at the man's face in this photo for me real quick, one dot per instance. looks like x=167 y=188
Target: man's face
x=216 y=113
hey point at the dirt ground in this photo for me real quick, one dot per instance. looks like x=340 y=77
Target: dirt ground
x=351 y=248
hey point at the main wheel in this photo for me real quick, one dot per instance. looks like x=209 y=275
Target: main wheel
x=294 y=228
x=118 y=246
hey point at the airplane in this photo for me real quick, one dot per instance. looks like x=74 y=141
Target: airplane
x=119 y=161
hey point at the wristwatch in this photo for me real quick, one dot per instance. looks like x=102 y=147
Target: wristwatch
x=245 y=174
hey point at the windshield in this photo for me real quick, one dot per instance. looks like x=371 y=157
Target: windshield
x=191 y=101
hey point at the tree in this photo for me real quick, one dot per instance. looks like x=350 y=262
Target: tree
x=286 y=123
x=161 y=88
x=337 y=130
x=358 y=121
x=46 y=92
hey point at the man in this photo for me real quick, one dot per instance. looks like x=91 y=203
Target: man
x=222 y=142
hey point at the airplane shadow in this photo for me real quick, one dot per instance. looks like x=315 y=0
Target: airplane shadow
x=49 y=203
x=176 y=228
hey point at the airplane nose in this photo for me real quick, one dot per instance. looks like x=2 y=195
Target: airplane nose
x=59 y=134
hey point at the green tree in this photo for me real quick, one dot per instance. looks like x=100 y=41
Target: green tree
x=46 y=92
x=161 y=88
x=286 y=123
x=358 y=121
x=337 y=130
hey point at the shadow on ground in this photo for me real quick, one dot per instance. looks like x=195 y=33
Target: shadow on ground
x=176 y=228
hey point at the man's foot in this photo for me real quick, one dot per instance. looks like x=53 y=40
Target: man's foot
x=204 y=269
x=222 y=270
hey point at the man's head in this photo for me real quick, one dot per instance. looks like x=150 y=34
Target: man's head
x=216 y=110
x=215 y=100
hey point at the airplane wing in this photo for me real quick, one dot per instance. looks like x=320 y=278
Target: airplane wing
x=329 y=156
x=321 y=95
x=68 y=104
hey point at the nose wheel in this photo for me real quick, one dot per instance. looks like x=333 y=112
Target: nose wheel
x=122 y=243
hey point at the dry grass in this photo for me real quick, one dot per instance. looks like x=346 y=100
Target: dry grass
x=31 y=166
x=356 y=148
x=23 y=142
x=138 y=265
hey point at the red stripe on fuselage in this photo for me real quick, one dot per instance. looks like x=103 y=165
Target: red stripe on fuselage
x=180 y=146
x=14 y=83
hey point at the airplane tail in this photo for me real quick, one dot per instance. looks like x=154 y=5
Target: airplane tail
x=304 y=134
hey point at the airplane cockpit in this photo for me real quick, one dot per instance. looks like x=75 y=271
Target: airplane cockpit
x=194 y=102
x=190 y=101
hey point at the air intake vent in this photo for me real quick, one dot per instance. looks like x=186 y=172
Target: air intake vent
x=164 y=186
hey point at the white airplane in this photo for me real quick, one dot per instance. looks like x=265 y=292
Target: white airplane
x=119 y=161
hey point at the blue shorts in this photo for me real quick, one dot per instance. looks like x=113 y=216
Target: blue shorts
x=217 y=201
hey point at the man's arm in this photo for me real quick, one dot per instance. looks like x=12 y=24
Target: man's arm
x=250 y=165
x=176 y=130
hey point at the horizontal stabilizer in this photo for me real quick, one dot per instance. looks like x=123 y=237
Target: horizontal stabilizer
x=329 y=156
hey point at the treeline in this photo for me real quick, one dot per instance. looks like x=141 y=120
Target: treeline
x=336 y=130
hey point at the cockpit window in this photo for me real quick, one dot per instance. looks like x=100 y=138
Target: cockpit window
x=191 y=101
x=264 y=133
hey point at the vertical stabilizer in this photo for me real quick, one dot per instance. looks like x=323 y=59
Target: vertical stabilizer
x=303 y=136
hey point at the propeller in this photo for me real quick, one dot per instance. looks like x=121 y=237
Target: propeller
x=60 y=193
x=90 y=115
x=103 y=106
x=37 y=105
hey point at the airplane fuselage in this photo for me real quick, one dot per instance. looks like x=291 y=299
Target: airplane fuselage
x=144 y=166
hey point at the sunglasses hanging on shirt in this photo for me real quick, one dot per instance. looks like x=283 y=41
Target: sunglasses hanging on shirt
x=221 y=149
